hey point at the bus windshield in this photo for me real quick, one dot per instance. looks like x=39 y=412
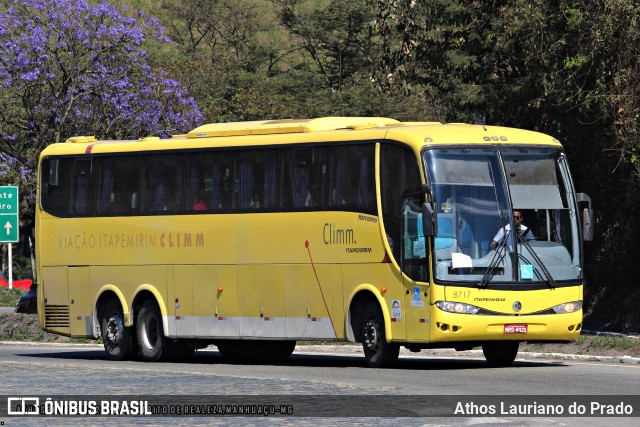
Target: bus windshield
x=504 y=216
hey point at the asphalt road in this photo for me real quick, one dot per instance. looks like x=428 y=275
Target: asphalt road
x=337 y=372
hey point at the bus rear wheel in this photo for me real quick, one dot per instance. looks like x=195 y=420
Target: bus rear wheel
x=119 y=341
x=500 y=353
x=153 y=345
x=377 y=351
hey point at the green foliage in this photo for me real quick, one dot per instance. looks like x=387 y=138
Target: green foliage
x=9 y=297
x=621 y=343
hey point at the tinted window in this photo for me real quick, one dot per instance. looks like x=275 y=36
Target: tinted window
x=352 y=178
x=162 y=183
x=336 y=177
x=118 y=185
x=254 y=185
x=208 y=182
x=56 y=185
x=303 y=178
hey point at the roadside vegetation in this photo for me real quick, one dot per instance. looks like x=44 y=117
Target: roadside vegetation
x=9 y=297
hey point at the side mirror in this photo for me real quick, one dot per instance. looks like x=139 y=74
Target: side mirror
x=429 y=221
x=587 y=217
x=429 y=227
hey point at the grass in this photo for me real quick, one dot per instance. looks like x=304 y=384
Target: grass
x=621 y=343
x=9 y=297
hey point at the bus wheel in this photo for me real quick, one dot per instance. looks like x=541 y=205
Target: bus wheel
x=153 y=345
x=500 y=353
x=119 y=341
x=377 y=351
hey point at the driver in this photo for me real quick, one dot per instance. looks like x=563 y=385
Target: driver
x=521 y=229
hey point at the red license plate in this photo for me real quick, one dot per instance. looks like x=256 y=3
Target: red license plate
x=515 y=329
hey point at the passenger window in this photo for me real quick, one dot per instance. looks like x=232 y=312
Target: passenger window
x=352 y=178
x=83 y=187
x=118 y=185
x=55 y=185
x=303 y=183
x=254 y=184
x=162 y=183
x=208 y=182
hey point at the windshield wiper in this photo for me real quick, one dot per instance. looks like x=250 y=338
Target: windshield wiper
x=488 y=275
x=550 y=281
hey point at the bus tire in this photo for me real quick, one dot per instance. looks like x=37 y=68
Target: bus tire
x=377 y=351
x=119 y=341
x=500 y=353
x=153 y=345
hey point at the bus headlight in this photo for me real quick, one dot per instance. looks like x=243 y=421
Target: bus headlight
x=568 y=307
x=457 y=307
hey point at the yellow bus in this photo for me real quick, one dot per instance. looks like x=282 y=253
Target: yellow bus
x=254 y=235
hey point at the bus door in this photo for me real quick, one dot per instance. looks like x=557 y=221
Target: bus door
x=415 y=270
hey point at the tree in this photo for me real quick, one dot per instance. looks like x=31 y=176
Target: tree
x=336 y=35
x=68 y=68
x=478 y=58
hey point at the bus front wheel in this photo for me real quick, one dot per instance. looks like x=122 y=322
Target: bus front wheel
x=500 y=353
x=153 y=345
x=119 y=341
x=377 y=351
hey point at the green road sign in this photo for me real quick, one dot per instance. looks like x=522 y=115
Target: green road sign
x=9 y=217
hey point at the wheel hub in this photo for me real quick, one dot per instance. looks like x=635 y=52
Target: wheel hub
x=115 y=329
x=371 y=337
x=150 y=332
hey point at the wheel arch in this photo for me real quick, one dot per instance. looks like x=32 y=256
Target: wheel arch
x=359 y=298
x=108 y=293
x=147 y=292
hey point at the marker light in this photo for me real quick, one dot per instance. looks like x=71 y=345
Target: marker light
x=457 y=307
x=568 y=307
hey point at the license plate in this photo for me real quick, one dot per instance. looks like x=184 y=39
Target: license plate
x=515 y=329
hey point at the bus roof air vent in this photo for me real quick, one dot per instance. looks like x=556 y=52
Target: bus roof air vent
x=82 y=139
x=269 y=127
